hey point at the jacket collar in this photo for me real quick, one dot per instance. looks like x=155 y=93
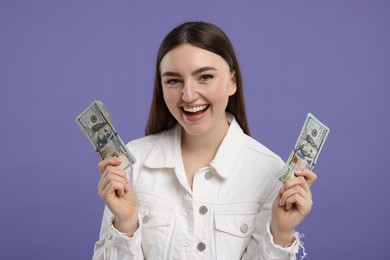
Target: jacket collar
x=166 y=153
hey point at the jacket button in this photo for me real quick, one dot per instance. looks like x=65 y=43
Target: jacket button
x=208 y=175
x=145 y=219
x=203 y=210
x=201 y=247
x=244 y=228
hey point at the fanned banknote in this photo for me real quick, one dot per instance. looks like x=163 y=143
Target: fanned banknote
x=306 y=149
x=96 y=123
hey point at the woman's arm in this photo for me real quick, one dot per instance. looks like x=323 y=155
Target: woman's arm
x=119 y=237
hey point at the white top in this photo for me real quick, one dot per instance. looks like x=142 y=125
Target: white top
x=225 y=216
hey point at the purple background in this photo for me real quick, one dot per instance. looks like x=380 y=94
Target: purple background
x=330 y=58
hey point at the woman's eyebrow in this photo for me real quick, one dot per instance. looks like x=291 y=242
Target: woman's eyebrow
x=170 y=73
x=198 y=71
x=203 y=69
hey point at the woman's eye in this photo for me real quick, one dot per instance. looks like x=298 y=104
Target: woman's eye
x=172 y=81
x=206 y=77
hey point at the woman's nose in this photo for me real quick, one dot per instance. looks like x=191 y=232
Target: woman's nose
x=189 y=92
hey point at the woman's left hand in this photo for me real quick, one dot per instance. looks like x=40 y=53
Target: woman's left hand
x=291 y=205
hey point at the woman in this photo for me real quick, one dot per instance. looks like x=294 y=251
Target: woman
x=201 y=188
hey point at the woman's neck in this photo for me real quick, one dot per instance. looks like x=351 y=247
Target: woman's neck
x=198 y=151
x=207 y=143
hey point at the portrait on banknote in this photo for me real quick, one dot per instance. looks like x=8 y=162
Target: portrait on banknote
x=101 y=133
x=307 y=149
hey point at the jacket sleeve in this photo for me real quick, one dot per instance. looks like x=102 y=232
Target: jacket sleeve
x=261 y=245
x=114 y=245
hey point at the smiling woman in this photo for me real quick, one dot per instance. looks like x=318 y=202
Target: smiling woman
x=196 y=87
x=206 y=37
x=201 y=188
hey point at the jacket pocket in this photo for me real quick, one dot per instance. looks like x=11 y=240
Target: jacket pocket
x=233 y=232
x=157 y=225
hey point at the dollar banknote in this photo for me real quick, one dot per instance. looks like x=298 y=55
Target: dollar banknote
x=306 y=149
x=96 y=123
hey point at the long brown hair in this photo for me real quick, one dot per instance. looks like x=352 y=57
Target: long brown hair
x=211 y=38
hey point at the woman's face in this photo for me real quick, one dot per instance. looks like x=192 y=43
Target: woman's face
x=196 y=86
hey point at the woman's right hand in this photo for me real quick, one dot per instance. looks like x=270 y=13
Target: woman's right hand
x=119 y=195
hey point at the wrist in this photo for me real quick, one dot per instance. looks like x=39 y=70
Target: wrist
x=282 y=238
x=126 y=227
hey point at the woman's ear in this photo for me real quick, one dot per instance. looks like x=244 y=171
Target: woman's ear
x=233 y=85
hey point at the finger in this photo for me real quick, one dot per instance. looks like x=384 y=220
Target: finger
x=310 y=176
x=112 y=187
x=112 y=170
x=102 y=165
x=300 y=203
x=299 y=180
x=127 y=186
x=106 y=179
x=292 y=192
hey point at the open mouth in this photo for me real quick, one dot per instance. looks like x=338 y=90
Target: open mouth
x=195 y=110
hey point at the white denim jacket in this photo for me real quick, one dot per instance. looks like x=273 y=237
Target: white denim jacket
x=225 y=216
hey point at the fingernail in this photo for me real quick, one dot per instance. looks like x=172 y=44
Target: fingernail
x=118 y=159
x=298 y=171
x=282 y=190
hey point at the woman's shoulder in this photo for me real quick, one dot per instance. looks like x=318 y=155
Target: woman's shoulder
x=257 y=147
x=143 y=142
x=148 y=150
x=250 y=144
x=148 y=142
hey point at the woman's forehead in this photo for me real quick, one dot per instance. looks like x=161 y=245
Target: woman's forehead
x=190 y=57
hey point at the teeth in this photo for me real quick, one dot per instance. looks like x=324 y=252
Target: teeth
x=194 y=109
